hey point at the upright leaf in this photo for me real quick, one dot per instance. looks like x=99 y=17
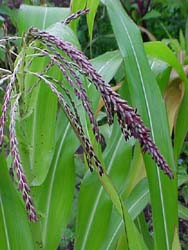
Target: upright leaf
x=132 y=232
x=143 y=228
x=181 y=125
x=38 y=120
x=55 y=196
x=136 y=202
x=37 y=126
x=92 y=5
x=161 y=51
x=176 y=242
x=96 y=214
x=146 y=96
x=15 y=231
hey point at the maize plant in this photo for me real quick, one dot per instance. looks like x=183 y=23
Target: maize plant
x=54 y=76
x=72 y=64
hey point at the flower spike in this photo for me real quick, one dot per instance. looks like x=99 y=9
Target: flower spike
x=75 y=16
x=17 y=165
x=91 y=157
x=130 y=122
x=6 y=100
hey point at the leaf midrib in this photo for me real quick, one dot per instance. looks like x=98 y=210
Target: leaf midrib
x=152 y=133
x=99 y=195
x=51 y=183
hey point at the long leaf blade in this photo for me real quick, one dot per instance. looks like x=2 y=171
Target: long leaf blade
x=92 y=5
x=56 y=194
x=142 y=85
x=137 y=200
x=99 y=206
x=13 y=218
x=161 y=51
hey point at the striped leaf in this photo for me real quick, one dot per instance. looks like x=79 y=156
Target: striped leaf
x=145 y=95
x=15 y=230
x=161 y=51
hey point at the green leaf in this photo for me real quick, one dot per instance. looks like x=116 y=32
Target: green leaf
x=107 y=64
x=181 y=124
x=135 y=203
x=182 y=211
x=38 y=16
x=152 y=14
x=94 y=216
x=132 y=232
x=37 y=131
x=161 y=71
x=122 y=242
x=92 y=5
x=55 y=196
x=138 y=198
x=37 y=124
x=52 y=154
x=182 y=40
x=64 y=33
x=15 y=231
x=1 y=20
x=100 y=212
x=186 y=35
x=161 y=51
x=143 y=228
x=5 y=10
x=145 y=95
x=176 y=242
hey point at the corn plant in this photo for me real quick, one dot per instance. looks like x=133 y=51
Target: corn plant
x=49 y=106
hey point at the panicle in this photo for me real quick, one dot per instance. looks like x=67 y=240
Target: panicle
x=6 y=100
x=75 y=82
x=75 y=16
x=23 y=186
x=74 y=120
x=130 y=122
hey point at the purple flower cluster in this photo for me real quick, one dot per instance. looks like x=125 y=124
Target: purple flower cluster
x=130 y=122
x=73 y=64
x=6 y=101
x=91 y=157
x=17 y=166
x=76 y=15
x=73 y=79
